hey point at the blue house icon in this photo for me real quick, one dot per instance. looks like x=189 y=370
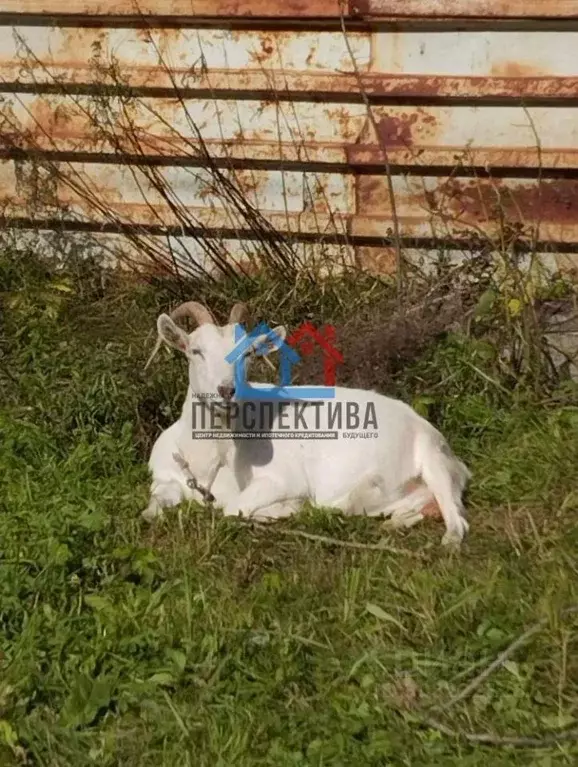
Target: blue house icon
x=288 y=358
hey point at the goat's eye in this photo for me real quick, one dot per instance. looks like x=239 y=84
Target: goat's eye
x=197 y=351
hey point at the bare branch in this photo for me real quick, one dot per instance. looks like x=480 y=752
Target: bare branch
x=384 y=151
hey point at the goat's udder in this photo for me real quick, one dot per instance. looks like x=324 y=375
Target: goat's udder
x=431 y=508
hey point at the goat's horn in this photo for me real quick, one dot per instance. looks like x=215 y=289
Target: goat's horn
x=193 y=309
x=239 y=313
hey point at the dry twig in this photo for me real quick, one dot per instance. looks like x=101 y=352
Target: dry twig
x=501 y=659
x=514 y=741
x=383 y=147
x=329 y=541
x=488 y=739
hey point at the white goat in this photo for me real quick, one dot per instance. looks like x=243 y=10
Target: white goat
x=170 y=481
x=406 y=468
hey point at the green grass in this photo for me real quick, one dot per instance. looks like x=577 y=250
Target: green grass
x=203 y=641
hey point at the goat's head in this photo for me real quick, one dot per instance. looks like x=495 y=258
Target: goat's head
x=211 y=375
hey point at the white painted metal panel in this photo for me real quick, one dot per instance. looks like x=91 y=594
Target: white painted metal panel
x=284 y=102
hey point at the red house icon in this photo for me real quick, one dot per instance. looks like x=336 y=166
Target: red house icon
x=307 y=336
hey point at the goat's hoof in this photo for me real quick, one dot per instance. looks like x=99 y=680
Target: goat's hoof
x=405 y=520
x=454 y=538
x=152 y=513
x=455 y=535
x=262 y=519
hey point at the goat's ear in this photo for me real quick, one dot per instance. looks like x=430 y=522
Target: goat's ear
x=172 y=334
x=266 y=343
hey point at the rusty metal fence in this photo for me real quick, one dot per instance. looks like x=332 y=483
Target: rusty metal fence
x=346 y=127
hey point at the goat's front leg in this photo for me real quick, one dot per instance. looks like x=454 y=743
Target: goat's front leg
x=212 y=472
x=262 y=499
x=164 y=493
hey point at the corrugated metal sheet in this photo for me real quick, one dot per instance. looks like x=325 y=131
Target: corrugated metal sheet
x=303 y=8
x=413 y=64
x=200 y=8
x=478 y=8
x=479 y=125
x=302 y=131
x=308 y=203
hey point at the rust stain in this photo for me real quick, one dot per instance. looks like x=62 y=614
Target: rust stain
x=80 y=136
x=248 y=266
x=554 y=202
x=426 y=117
x=567 y=263
x=53 y=121
x=250 y=182
x=461 y=204
x=397 y=131
x=258 y=57
x=358 y=7
x=513 y=69
x=361 y=154
x=78 y=45
x=376 y=260
x=339 y=114
x=502 y=84
x=471 y=8
x=74 y=62
x=371 y=195
x=409 y=129
x=267 y=46
x=214 y=8
x=306 y=8
x=144 y=34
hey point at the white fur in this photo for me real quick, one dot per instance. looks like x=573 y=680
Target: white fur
x=269 y=478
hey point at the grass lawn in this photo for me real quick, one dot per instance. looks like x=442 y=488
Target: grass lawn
x=208 y=642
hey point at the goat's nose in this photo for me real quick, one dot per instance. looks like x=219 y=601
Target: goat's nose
x=227 y=392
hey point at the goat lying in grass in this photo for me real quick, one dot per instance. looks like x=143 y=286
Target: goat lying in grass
x=402 y=473
x=171 y=484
